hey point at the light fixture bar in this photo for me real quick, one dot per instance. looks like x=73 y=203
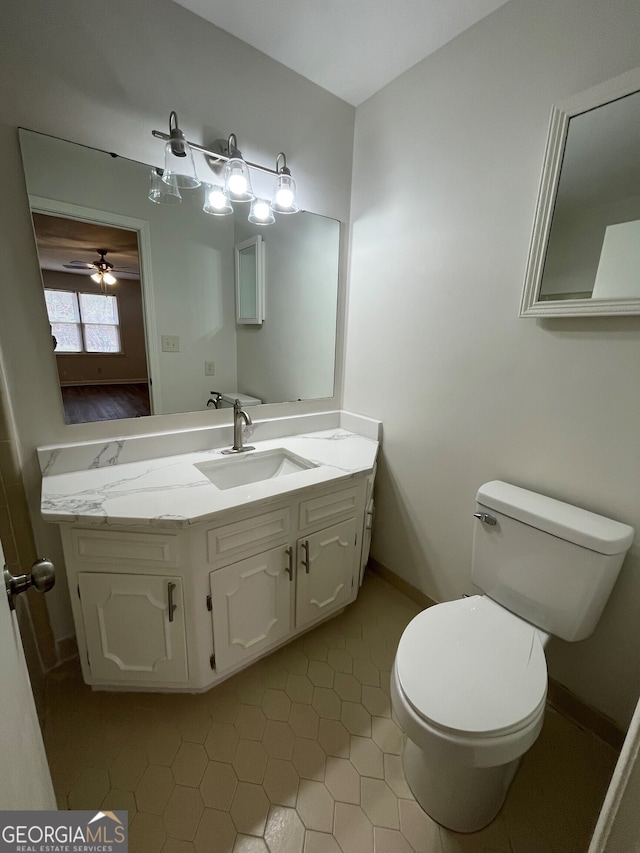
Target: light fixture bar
x=215 y=155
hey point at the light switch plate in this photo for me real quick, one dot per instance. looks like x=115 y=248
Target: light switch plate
x=170 y=343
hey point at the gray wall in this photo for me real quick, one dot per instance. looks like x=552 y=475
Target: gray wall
x=105 y=75
x=467 y=391
x=290 y=356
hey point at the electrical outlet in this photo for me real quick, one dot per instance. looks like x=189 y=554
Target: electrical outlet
x=170 y=343
x=209 y=368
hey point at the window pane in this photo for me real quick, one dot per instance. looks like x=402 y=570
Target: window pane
x=95 y=308
x=62 y=306
x=67 y=337
x=101 y=338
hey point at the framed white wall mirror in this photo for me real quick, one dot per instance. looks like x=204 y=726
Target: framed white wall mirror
x=585 y=248
x=250 y=281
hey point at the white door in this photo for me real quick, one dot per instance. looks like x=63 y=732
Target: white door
x=326 y=564
x=134 y=625
x=618 y=827
x=251 y=605
x=26 y=782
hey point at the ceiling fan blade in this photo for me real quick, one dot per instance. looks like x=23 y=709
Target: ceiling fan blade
x=78 y=265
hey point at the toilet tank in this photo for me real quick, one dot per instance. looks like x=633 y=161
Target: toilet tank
x=549 y=562
x=228 y=398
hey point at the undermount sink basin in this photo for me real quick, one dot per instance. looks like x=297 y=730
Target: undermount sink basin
x=247 y=468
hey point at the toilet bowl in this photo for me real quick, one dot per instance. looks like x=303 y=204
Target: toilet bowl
x=469 y=679
x=470 y=707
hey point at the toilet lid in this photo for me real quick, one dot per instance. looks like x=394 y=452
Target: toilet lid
x=471 y=667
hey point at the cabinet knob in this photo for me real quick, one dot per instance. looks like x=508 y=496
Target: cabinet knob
x=42 y=577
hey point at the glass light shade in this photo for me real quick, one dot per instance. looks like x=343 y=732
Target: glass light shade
x=237 y=180
x=284 y=195
x=108 y=278
x=163 y=192
x=180 y=168
x=261 y=213
x=216 y=201
x=97 y=277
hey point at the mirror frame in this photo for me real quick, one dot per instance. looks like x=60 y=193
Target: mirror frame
x=531 y=306
x=257 y=283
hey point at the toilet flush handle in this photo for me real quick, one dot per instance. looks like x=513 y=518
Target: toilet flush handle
x=486 y=518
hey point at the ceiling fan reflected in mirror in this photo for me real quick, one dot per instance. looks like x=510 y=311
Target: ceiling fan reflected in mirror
x=102 y=269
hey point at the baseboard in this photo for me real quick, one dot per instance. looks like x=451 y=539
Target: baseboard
x=583 y=715
x=81 y=383
x=400 y=584
x=559 y=697
x=67 y=649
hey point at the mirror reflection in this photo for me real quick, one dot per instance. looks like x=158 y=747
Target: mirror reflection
x=594 y=242
x=164 y=336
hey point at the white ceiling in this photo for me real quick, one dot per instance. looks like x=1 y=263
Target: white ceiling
x=350 y=47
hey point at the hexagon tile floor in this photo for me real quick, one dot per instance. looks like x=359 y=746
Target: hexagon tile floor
x=299 y=754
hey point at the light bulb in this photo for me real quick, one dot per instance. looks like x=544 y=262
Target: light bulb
x=261 y=213
x=237 y=184
x=261 y=210
x=108 y=278
x=284 y=197
x=217 y=198
x=97 y=277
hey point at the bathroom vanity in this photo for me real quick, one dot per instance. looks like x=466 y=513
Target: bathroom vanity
x=184 y=569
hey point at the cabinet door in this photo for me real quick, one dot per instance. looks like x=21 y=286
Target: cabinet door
x=251 y=606
x=325 y=570
x=134 y=625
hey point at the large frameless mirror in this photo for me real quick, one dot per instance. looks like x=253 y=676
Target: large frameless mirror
x=585 y=249
x=164 y=335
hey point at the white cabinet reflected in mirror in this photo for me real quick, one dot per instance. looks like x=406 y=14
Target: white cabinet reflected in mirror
x=585 y=249
x=183 y=329
x=250 y=281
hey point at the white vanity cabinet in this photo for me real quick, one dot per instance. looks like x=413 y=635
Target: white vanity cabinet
x=272 y=594
x=183 y=608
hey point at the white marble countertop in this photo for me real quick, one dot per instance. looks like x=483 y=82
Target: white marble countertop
x=171 y=492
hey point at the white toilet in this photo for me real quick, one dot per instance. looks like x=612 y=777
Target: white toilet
x=469 y=680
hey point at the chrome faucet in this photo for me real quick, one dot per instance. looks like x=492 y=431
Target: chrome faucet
x=239 y=415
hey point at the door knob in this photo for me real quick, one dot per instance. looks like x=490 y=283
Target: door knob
x=42 y=577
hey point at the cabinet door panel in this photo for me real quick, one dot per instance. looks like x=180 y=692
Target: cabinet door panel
x=251 y=606
x=325 y=584
x=131 y=633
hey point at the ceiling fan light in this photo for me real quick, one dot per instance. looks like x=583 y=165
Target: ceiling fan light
x=97 y=277
x=107 y=278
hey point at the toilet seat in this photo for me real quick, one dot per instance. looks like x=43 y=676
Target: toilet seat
x=471 y=668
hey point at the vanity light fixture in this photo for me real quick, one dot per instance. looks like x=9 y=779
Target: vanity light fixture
x=227 y=161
